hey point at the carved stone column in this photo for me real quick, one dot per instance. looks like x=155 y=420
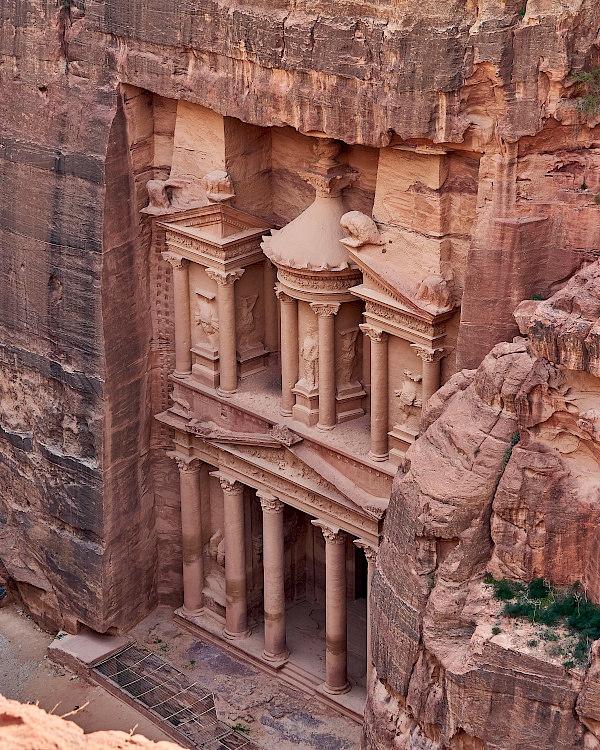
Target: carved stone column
x=274 y=581
x=236 y=605
x=371 y=555
x=326 y=314
x=270 y=302
x=227 y=330
x=379 y=392
x=336 y=635
x=183 y=324
x=191 y=532
x=431 y=370
x=289 y=351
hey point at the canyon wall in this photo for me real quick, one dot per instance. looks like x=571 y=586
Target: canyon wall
x=504 y=480
x=90 y=91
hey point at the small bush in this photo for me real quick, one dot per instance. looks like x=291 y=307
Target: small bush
x=496 y=630
x=538 y=589
x=514 y=439
x=532 y=643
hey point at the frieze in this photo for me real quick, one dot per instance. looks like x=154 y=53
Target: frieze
x=230 y=252
x=322 y=280
x=404 y=319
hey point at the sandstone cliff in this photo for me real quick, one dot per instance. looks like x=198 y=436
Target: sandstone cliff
x=78 y=349
x=451 y=671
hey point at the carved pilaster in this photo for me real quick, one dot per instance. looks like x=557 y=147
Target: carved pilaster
x=429 y=355
x=185 y=464
x=176 y=261
x=369 y=550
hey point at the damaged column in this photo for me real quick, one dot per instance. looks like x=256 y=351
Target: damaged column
x=432 y=368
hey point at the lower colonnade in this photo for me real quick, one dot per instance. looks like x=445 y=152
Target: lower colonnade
x=274 y=652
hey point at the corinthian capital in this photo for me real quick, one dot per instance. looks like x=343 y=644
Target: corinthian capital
x=373 y=333
x=369 y=550
x=185 y=464
x=224 y=278
x=230 y=486
x=270 y=504
x=428 y=355
x=283 y=296
x=332 y=535
x=175 y=260
x=324 y=309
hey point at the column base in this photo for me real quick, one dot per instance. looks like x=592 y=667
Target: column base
x=336 y=690
x=184 y=612
x=379 y=456
x=276 y=658
x=226 y=394
x=325 y=427
x=285 y=412
x=236 y=636
x=181 y=375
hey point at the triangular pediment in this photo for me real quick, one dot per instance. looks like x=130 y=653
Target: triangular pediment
x=385 y=279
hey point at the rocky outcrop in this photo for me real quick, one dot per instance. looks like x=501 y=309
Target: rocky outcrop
x=471 y=499
x=27 y=727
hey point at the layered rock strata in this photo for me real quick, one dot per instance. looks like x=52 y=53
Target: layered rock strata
x=471 y=499
x=91 y=92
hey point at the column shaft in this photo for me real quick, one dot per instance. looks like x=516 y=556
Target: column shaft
x=431 y=378
x=327 y=412
x=371 y=555
x=227 y=328
x=236 y=606
x=379 y=393
x=289 y=351
x=274 y=579
x=182 y=314
x=336 y=656
x=270 y=303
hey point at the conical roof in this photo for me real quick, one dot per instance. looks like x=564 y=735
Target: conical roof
x=312 y=240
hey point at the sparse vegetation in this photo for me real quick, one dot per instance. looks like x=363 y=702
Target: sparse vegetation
x=521 y=13
x=567 y=608
x=241 y=728
x=537 y=297
x=514 y=439
x=532 y=643
x=584 y=186
x=588 y=103
x=496 y=630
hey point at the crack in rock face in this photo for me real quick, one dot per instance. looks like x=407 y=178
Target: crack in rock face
x=504 y=478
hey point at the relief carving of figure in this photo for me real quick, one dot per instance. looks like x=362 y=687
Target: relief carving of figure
x=310 y=357
x=410 y=400
x=246 y=322
x=346 y=360
x=206 y=317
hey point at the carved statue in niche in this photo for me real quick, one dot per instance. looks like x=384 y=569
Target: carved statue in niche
x=206 y=317
x=346 y=361
x=410 y=397
x=248 y=336
x=310 y=358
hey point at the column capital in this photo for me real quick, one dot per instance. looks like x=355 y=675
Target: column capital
x=269 y=503
x=224 y=278
x=284 y=296
x=230 y=486
x=375 y=334
x=325 y=309
x=429 y=355
x=369 y=550
x=333 y=535
x=185 y=464
x=175 y=260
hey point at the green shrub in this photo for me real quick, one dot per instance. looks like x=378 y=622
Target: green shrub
x=538 y=589
x=514 y=439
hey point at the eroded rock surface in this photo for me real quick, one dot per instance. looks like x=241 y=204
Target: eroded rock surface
x=469 y=501
x=27 y=727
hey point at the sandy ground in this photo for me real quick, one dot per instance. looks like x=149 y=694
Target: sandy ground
x=28 y=676
x=278 y=718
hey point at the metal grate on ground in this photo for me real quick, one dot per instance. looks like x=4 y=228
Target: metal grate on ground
x=183 y=707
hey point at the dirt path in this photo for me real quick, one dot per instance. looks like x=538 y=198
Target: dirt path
x=28 y=676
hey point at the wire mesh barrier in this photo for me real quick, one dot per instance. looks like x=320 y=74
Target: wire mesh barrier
x=186 y=708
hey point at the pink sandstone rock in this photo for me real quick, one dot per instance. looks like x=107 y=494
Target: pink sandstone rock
x=27 y=727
